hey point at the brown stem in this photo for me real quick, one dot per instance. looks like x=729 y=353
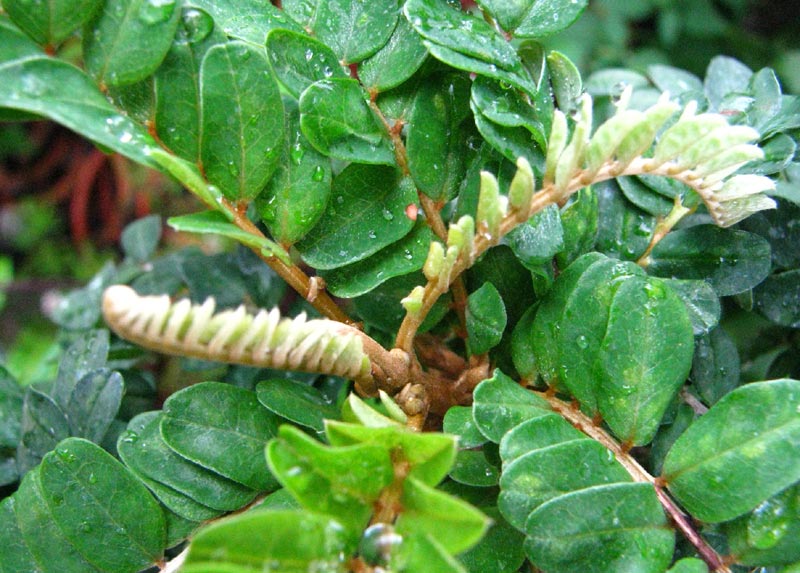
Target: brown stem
x=292 y=274
x=586 y=425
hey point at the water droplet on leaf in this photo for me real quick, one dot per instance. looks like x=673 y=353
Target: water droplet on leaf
x=156 y=11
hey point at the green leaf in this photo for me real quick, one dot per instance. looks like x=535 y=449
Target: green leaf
x=400 y=258
x=738 y=454
x=566 y=80
x=190 y=177
x=430 y=455
x=778 y=298
x=341 y=481
x=701 y=301
x=11 y=399
x=176 y=83
x=140 y=238
x=296 y=196
x=355 y=29
x=538 y=476
x=724 y=76
x=16 y=554
x=768 y=535
x=645 y=358
x=454 y=523
x=423 y=553
x=522 y=353
x=537 y=240
x=500 y=104
x=296 y=402
x=242 y=120
x=50 y=23
x=500 y=404
x=33 y=82
x=542 y=336
x=435 y=141
x=286 y=541
x=511 y=142
x=337 y=120
x=673 y=80
x=536 y=434
x=623 y=230
x=222 y=428
x=87 y=353
x=603 y=529
x=43 y=425
x=689 y=565
x=473 y=469
x=143 y=449
x=458 y=420
x=584 y=319
x=732 y=261
x=396 y=61
x=128 y=39
x=715 y=367
x=87 y=490
x=299 y=60
x=216 y=223
x=486 y=319
x=579 y=220
x=365 y=214
x=45 y=539
x=500 y=550
x=94 y=404
x=644 y=196
x=460 y=31
x=248 y=20
x=534 y=18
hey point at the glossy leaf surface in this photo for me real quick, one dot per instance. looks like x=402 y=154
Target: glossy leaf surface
x=50 y=22
x=500 y=404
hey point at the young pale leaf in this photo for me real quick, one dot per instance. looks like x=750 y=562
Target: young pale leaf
x=430 y=455
x=280 y=540
x=222 y=428
x=435 y=141
x=366 y=213
x=732 y=261
x=296 y=402
x=641 y=373
x=242 y=120
x=341 y=481
x=50 y=23
x=538 y=476
x=128 y=39
x=603 y=529
x=454 y=523
x=299 y=60
x=738 y=454
x=182 y=485
x=87 y=490
x=500 y=404
x=486 y=319
x=337 y=120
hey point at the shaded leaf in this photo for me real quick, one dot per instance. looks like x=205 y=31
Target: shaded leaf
x=94 y=404
x=715 y=367
x=223 y=428
x=140 y=238
x=296 y=402
x=486 y=319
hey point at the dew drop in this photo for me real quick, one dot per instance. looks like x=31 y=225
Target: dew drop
x=92 y=479
x=318 y=174
x=297 y=153
x=196 y=25
x=582 y=342
x=387 y=215
x=156 y=11
x=371 y=234
x=65 y=455
x=339 y=199
x=309 y=54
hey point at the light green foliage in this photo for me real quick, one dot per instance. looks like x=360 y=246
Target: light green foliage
x=589 y=284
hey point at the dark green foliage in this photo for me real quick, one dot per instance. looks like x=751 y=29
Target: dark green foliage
x=365 y=149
